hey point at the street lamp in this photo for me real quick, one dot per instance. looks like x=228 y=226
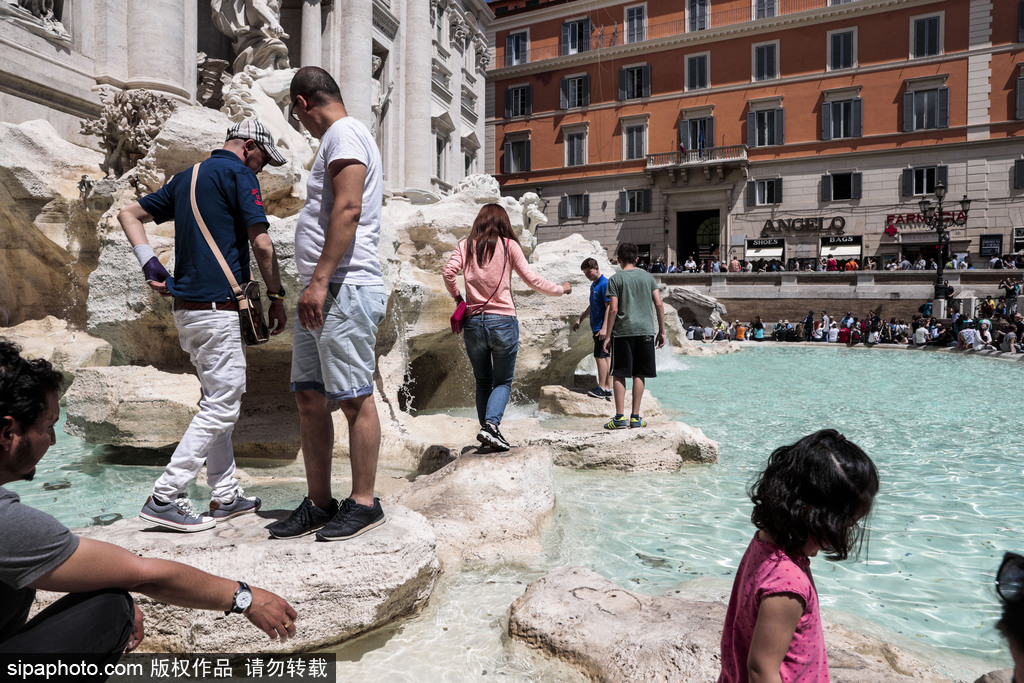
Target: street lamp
x=934 y=219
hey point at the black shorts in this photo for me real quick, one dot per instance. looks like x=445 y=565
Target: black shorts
x=633 y=357
x=599 y=351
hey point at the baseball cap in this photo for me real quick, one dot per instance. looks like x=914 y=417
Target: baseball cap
x=251 y=129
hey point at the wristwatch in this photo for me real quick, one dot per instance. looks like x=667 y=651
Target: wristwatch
x=242 y=599
x=276 y=295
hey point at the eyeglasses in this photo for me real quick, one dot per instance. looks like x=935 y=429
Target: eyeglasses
x=291 y=110
x=1010 y=577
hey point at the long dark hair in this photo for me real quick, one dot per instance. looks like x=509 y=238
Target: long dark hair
x=815 y=489
x=491 y=224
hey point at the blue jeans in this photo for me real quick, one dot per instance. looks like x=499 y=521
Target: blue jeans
x=492 y=342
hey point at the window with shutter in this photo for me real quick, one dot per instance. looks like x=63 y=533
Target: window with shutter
x=765 y=62
x=927 y=36
x=635 y=24
x=1020 y=97
x=697 y=72
x=925 y=109
x=516 y=48
x=841 y=50
x=698 y=15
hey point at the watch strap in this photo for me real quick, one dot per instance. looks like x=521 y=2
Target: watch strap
x=242 y=587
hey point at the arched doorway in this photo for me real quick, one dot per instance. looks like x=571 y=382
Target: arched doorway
x=698 y=233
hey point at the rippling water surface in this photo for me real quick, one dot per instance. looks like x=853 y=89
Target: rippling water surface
x=943 y=430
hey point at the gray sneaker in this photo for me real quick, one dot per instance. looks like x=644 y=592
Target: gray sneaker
x=178 y=515
x=239 y=506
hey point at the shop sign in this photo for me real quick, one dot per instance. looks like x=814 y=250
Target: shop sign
x=768 y=243
x=777 y=226
x=844 y=239
x=991 y=245
x=916 y=221
x=1018 y=239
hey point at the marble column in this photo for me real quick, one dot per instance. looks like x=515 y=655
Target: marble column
x=418 y=140
x=312 y=44
x=161 y=44
x=356 y=51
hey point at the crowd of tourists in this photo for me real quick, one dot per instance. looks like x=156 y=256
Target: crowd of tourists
x=825 y=264
x=999 y=328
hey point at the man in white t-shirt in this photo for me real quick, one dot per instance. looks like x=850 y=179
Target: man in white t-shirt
x=921 y=335
x=339 y=311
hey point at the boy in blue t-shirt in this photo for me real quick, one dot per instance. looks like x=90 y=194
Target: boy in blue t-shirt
x=598 y=302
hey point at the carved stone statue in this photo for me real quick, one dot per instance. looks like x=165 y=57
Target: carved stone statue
x=263 y=94
x=34 y=15
x=380 y=99
x=478 y=180
x=532 y=215
x=254 y=26
x=129 y=121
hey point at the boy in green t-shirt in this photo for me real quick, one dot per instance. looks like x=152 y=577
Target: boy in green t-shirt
x=629 y=332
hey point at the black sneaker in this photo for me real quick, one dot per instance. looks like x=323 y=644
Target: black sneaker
x=490 y=436
x=304 y=520
x=596 y=392
x=351 y=520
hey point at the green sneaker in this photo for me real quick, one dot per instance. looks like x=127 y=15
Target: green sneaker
x=617 y=423
x=636 y=421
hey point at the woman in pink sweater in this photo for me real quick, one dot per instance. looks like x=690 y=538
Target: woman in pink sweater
x=486 y=259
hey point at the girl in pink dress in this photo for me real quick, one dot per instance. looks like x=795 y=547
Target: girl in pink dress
x=810 y=497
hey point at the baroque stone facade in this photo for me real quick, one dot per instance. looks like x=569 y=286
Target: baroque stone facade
x=422 y=92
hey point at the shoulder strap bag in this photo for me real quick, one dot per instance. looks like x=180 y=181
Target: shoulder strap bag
x=458 y=318
x=251 y=321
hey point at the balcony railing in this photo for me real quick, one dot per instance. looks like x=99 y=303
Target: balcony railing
x=708 y=155
x=614 y=34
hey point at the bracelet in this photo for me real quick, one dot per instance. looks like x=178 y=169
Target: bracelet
x=276 y=296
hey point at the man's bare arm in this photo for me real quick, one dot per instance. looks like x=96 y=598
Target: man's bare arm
x=96 y=565
x=659 y=306
x=266 y=259
x=132 y=218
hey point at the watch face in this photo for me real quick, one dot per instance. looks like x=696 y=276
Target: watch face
x=243 y=599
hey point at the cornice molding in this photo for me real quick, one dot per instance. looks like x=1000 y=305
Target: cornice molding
x=816 y=76
x=758 y=26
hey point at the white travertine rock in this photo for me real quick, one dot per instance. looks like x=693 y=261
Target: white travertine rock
x=559 y=400
x=123 y=310
x=131 y=406
x=66 y=348
x=659 y=447
x=612 y=634
x=188 y=137
x=694 y=306
x=47 y=232
x=139 y=324
x=339 y=589
x=487 y=506
x=142 y=407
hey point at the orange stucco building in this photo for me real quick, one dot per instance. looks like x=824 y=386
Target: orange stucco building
x=762 y=128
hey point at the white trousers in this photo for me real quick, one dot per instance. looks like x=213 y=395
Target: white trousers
x=213 y=342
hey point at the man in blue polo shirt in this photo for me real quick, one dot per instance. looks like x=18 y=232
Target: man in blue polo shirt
x=206 y=313
x=598 y=302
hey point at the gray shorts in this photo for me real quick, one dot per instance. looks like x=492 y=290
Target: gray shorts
x=338 y=360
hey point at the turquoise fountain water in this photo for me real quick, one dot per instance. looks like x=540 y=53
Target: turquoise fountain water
x=947 y=450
